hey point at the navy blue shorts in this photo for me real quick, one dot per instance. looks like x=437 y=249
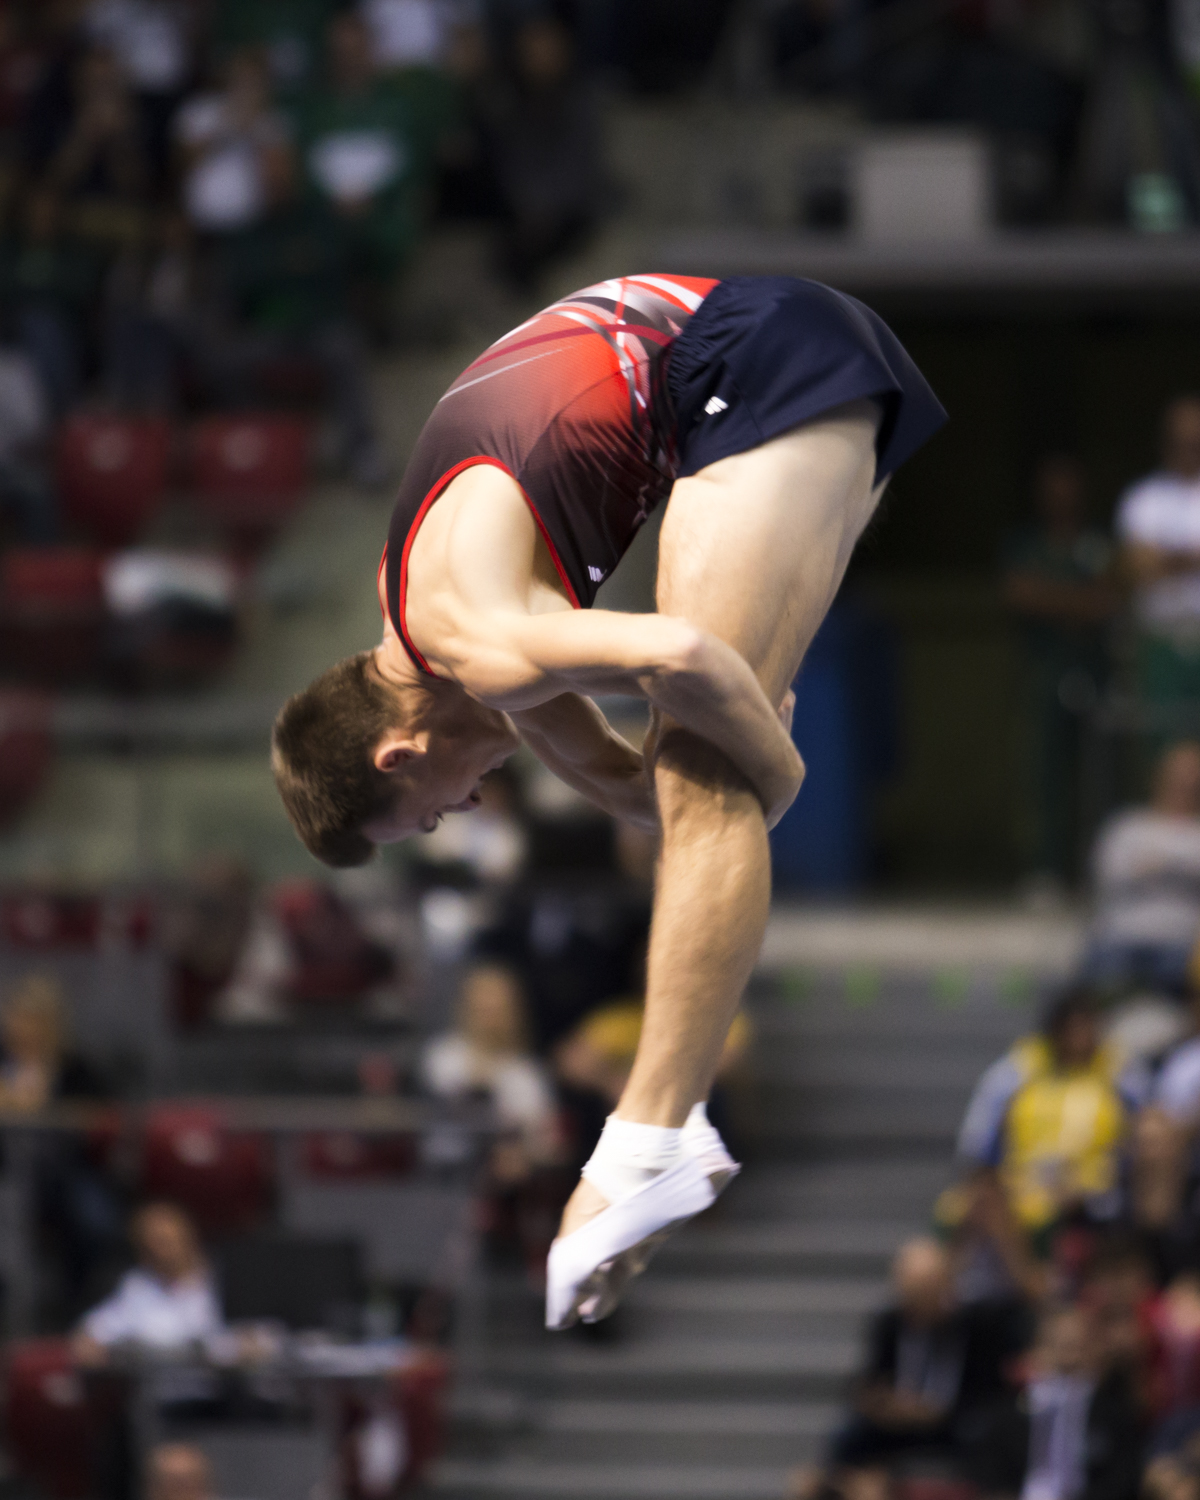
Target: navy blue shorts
x=763 y=354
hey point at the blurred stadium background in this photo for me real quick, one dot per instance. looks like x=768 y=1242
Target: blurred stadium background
x=283 y=1149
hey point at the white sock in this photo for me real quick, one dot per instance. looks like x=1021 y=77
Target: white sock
x=697 y=1122
x=628 y=1155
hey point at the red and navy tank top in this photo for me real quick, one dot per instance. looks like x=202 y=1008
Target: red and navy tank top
x=573 y=405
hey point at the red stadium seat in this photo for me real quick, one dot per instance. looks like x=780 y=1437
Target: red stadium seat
x=341 y=1154
x=250 y=472
x=222 y=1178
x=50 y=920
x=112 y=473
x=51 y=612
x=417 y=1395
x=47 y=1426
x=26 y=748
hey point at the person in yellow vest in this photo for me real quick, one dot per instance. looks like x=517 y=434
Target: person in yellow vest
x=1043 y=1137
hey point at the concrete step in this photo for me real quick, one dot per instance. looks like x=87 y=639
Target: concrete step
x=466 y=1479
x=682 y=1365
x=848 y=1189
x=719 y=1432
x=832 y=1246
x=899 y=1115
x=897 y=1066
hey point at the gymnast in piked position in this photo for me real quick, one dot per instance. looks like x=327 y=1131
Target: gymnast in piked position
x=767 y=413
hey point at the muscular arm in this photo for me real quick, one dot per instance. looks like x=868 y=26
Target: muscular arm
x=573 y=739
x=523 y=661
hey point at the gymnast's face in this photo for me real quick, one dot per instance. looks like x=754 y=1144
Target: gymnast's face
x=437 y=764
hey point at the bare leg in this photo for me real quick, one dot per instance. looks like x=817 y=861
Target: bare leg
x=753 y=549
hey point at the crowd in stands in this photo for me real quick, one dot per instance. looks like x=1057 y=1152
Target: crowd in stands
x=1097 y=614
x=1044 y=1341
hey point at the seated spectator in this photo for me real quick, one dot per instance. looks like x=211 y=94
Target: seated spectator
x=205 y=927
x=236 y=150
x=1158 y=525
x=152 y=42
x=1042 y=1139
x=545 y=145
x=361 y=156
x=1146 y=883
x=288 y=32
x=408 y=33
x=933 y=1367
x=173 y=616
x=1174 y=1322
x=178 y=1471
x=78 y=1208
x=1073 y=1432
x=36 y=1066
x=1162 y=1165
x=488 y=1053
x=1057 y=583
x=98 y=167
x=27 y=499
x=306 y=946
x=52 y=280
x=168 y=1303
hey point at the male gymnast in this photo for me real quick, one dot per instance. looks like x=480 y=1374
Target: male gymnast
x=771 y=411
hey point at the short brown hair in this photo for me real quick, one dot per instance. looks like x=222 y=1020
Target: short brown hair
x=321 y=754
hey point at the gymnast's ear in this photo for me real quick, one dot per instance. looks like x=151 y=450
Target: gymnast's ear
x=394 y=752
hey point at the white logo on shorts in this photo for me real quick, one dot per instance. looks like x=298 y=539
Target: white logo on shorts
x=714 y=405
x=596 y=574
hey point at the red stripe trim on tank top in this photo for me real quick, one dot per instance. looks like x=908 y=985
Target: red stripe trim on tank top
x=435 y=491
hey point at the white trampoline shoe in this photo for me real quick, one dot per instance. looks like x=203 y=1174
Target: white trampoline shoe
x=701 y=1141
x=589 y=1269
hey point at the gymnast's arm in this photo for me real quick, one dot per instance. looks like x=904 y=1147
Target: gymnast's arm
x=571 y=737
x=514 y=661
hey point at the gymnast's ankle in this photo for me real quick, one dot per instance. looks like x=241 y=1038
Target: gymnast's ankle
x=629 y=1155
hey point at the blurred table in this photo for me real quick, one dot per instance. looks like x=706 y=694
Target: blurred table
x=284 y=1118
x=310 y=1379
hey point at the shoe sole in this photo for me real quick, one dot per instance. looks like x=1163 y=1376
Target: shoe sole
x=608 y=1282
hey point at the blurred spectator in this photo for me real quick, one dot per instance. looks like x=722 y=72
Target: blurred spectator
x=173 y=616
x=408 y=33
x=289 y=32
x=37 y=1067
x=1163 y=1167
x=488 y=1053
x=1057 y=582
x=545 y=146
x=51 y=283
x=151 y=41
x=178 y=1471
x=1138 y=161
x=1074 y=1432
x=27 y=498
x=933 y=1367
x=98 y=166
x=78 y=1208
x=1042 y=1138
x=361 y=156
x=1158 y=523
x=1146 y=883
x=168 y=1302
x=306 y=946
x=205 y=927
x=1174 y=1321
x=236 y=150
x=1118 y=1292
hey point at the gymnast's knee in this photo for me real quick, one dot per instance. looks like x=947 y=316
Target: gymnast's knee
x=697 y=783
